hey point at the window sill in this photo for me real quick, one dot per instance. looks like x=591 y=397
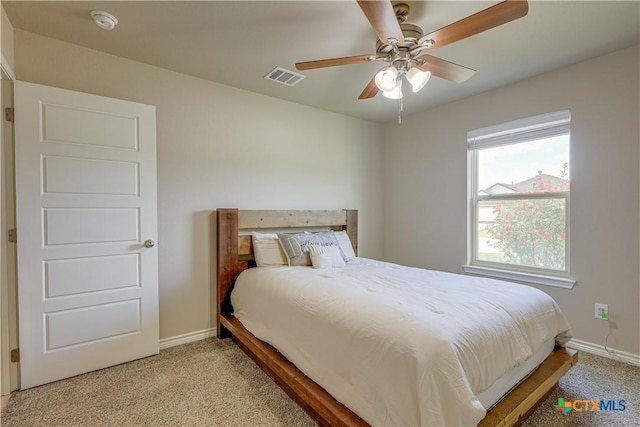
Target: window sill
x=538 y=279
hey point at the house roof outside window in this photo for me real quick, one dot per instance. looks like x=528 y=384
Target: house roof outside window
x=535 y=184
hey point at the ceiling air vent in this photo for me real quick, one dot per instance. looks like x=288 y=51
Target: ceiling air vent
x=284 y=76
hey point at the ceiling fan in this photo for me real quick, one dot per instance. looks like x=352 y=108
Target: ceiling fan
x=403 y=45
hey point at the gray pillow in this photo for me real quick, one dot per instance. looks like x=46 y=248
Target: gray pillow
x=296 y=245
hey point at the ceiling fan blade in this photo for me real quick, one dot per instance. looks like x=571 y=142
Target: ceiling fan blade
x=383 y=19
x=491 y=17
x=310 y=65
x=370 y=91
x=445 y=69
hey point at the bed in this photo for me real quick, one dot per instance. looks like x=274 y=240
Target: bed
x=235 y=255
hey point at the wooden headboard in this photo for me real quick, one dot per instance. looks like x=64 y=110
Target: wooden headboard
x=235 y=250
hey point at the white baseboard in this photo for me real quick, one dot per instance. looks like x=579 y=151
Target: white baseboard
x=599 y=350
x=187 y=338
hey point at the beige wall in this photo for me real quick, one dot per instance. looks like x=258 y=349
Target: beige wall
x=222 y=147
x=425 y=179
x=6 y=38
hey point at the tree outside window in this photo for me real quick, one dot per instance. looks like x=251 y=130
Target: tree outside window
x=530 y=232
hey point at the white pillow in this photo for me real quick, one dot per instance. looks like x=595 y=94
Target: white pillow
x=267 y=250
x=345 y=244
x=326 y=256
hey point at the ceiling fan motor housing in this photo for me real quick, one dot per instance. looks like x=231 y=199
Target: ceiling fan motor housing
x=411 y=33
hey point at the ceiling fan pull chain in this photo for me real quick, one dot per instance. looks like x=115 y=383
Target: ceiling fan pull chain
x=400 y=104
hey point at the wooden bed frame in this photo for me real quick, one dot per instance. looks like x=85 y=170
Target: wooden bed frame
x=235 y=254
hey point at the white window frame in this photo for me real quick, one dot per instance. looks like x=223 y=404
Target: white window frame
x=514 y=132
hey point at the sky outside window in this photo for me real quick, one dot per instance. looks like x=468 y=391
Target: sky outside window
x=511 y=164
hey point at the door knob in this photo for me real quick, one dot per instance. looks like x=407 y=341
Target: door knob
x=149 y=243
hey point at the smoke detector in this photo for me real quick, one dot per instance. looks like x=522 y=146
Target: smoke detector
x=104 y=20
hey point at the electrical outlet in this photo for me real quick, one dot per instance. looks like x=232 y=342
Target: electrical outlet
x=602 y=311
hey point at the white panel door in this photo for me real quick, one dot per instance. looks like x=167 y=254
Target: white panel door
x=85 y=205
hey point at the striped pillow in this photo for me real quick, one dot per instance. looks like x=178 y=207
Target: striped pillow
x=326 y=256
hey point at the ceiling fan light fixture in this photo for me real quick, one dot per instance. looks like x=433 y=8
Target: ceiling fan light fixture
x=418 y=78
x=386 y=79
x=395 y=93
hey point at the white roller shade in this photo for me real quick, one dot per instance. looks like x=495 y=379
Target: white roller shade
x=538 y=127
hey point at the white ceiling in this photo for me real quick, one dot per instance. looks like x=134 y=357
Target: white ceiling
x=238 y=42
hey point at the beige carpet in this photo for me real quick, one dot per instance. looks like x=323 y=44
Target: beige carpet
x=593 y=378
x=212 y=383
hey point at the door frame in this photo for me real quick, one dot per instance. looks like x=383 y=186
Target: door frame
x=9 y=379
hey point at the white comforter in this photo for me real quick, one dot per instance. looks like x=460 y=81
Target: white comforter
x=399 y=346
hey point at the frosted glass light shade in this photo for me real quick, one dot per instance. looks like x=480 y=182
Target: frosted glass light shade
x=395 y=93
x=386 y=79
x=418 y=78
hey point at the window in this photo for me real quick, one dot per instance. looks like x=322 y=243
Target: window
x=519 y=199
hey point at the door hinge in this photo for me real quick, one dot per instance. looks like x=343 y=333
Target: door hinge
x=9 y=114
x=12 y=235
x=15 y=355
